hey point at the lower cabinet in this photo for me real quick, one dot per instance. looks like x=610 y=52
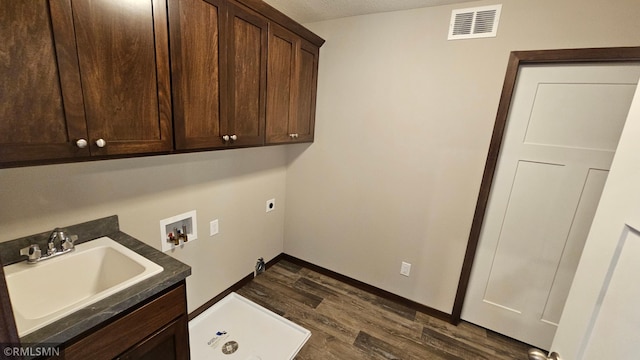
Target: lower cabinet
x=167 y=344
x=156 y=329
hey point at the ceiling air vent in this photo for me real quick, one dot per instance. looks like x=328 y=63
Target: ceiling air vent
x=479 y=22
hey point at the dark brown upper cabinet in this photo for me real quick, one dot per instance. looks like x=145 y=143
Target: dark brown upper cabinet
x=83 y=78
x=123 y=54
x=41 y=107
x=219 y=56
x=292 y=78
x=198 y=63
x=89 y=79
x=247 y=70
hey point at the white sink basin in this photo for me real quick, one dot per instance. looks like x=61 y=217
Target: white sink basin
x=47 y=291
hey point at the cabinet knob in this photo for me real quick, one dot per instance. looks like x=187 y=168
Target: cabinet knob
x=101 y=143
x=225 y=138
x=234 y=137
x=291 y=135
x=295 y=135
x=82 y=143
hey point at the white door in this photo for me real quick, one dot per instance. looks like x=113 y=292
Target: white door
x=562 y=132
x=601 y=319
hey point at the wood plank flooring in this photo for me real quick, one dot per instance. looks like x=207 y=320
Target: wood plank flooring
x=348 y=323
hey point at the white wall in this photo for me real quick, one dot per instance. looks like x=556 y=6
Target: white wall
x=230 y=185
x=403 y=125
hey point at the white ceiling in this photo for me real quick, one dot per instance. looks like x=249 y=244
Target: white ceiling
x=306 y=11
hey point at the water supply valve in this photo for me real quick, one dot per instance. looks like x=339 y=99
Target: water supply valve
x=182 y=235
x=173 y=239
x=178 y=235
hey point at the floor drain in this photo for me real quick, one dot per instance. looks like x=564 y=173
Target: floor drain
x=230 y=347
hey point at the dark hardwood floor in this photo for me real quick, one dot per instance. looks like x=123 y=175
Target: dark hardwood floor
x=347 y=323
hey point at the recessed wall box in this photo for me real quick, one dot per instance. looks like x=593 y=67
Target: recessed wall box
x=173 y=230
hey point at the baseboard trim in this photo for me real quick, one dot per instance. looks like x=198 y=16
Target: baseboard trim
x=244 y=281
x=369 y=288
x=334 y=275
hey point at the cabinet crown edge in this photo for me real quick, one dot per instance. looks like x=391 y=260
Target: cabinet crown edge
x=283 y=20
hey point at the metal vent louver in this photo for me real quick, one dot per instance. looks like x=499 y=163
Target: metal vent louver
x=479 y=22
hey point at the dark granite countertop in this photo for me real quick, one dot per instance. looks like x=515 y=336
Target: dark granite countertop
x=67 y=328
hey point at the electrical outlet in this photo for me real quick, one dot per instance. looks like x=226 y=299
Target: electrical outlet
x=405 y=269
x=271 y=205
x=213 y=227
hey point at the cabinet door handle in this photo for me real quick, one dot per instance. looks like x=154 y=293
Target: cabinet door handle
x=225 y=138
x=82 y=143
x=234 y=137
x=101 y=143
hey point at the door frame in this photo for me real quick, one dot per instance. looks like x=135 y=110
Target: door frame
x=516 y=59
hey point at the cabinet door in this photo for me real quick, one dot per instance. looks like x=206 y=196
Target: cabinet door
x=281 y=92
x=131 y=329
x=198 y=60
x=41 y=112
x=247 y=73
x=124 y=66
x=291 y=92
x=307 y=84
x=169 y=343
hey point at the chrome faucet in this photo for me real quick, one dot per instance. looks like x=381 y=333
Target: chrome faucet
x=35 y=255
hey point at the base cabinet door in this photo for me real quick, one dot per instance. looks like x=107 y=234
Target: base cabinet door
x=151 y=328
x=170 y=343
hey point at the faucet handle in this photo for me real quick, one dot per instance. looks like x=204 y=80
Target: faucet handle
x=57 y=232
x=67 y=242
x=32 y=251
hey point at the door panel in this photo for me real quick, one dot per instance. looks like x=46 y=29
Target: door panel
x=561 y=134
x=579 y=126
x=576 y=238
x=528 y=219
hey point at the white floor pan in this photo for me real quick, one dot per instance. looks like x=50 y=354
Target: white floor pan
x=238 y=329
